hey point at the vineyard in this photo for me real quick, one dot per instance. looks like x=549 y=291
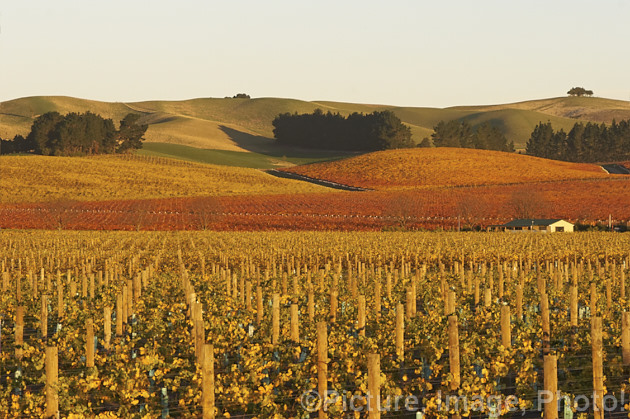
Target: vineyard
x=100 y=178
x=587 y=202
x=216 y=324
x=445 y=167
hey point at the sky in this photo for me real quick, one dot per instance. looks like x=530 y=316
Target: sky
x=406 y=53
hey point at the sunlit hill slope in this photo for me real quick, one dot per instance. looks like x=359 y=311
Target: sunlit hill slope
x=245 y=124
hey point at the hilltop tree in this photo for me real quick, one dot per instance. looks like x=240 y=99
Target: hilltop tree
x=579 y=91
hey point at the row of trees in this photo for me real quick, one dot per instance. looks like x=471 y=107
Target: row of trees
x=379 y=130
x=588 y=142
x=461 y=134
x=78 y=134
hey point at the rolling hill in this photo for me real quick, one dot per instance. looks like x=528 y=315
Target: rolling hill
x=244 y=125
x=43 y=178
x=445 y=167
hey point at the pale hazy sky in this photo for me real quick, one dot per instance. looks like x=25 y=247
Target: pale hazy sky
x=418 y=53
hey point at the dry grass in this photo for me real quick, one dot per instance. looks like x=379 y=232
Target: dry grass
x=445 y=167
x=199 y=122
x=39 y=178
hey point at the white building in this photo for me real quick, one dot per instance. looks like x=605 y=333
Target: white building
x=540 y=225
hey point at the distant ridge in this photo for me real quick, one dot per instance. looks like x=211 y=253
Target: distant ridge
x=245 y=124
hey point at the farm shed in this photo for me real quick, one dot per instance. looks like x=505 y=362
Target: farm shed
x=533 y=224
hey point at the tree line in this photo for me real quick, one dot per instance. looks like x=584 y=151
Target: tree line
x=53 y=134
x=378 y=130
x=586 y=142
x=461 y=134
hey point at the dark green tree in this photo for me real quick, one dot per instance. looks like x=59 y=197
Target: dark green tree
x=489 y=137
x=447 y=134
x=375 y=131
x=579 y=91
x=540 y=141
x=131 y=133
x=426 y=143
x=42 y=132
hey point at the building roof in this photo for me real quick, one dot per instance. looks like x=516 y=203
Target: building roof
x=528 y=222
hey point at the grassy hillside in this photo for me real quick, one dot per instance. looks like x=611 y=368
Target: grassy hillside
x=445 y=167
x=280 y=158
x=40 y=178
x=587 y=108
x=245 y=124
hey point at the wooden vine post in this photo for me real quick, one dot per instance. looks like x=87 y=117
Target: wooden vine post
x=44 y=316
x=551 y=385
x=322 y=366
x=374 y=386
x=506 y=327
x=625 y=337
x=19 y=332
x=89 y=343
x=275 y=320
x=453 y=351
x=119 y=315
x=574 y=305
x=295 y=323
x=598 y=368
x=361 y=315
x=207 y=377
x=52 y=382
x=519 y=302
x=544 y=313
x=400 y=332
x=107 y=332
x=259 y=305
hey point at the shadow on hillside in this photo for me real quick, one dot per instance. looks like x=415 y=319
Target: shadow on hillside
x=269 y=147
